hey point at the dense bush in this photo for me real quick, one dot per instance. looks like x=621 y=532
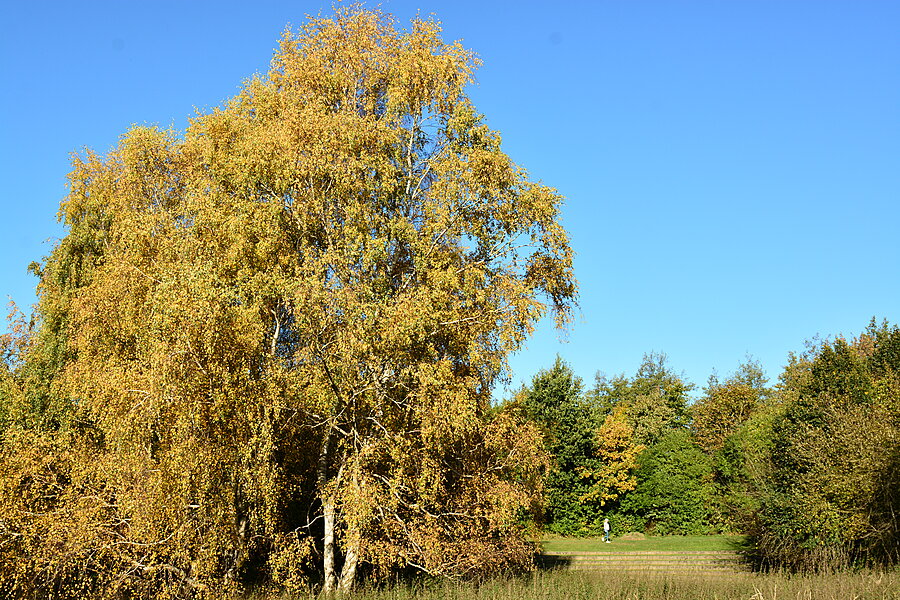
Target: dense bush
x=835 y=457
x=741 y=471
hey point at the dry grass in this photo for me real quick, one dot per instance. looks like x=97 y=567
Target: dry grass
x=649 y=586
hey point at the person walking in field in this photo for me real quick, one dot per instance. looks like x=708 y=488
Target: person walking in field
x=606 y=529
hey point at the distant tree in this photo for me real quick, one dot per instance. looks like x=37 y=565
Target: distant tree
x=612 y=474
x=608 y=393
x=725 y=406
x=718 y=425
x=649 y=406
x=742 y=471
x=674 y=487
x=656 y=398
x=555 y=403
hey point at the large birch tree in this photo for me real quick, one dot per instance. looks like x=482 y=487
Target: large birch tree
x=294 y=317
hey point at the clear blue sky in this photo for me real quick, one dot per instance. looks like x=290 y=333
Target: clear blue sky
x=732 y=168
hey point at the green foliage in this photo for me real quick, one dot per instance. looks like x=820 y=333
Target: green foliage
x=811 y=468
x=654 y=403
x=594 y=437
x=554 y=401
x=674 y=487
x=732 y=423
x=725 y=406
x=742 y=471
x=835 y=479
x=566 y=511
x=656 y=398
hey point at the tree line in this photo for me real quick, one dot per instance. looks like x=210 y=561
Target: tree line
x=808 y=468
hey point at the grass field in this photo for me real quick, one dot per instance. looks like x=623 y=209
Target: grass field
x=586 y=585
x=669 y=543
x=640 y=586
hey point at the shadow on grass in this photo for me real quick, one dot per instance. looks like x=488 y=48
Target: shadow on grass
x=746 y=548
x=551 y=562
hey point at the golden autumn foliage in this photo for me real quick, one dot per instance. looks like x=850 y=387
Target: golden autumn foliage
x=274 y=338
x=617 y=454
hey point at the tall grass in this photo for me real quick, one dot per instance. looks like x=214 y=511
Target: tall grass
x=770 y=550
x=643 y=586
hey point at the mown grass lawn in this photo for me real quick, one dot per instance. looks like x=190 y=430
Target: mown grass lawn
x=669 y=543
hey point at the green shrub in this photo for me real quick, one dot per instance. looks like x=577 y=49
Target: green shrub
x=674 y=487
x=835 y=458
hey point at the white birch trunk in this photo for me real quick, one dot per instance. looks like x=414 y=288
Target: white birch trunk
x=328 y=514
x=331 y=579
x=348 y=572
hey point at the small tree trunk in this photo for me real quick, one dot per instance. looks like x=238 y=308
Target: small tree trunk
x=328 y=511
x=354 y=541
x=348 y=573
